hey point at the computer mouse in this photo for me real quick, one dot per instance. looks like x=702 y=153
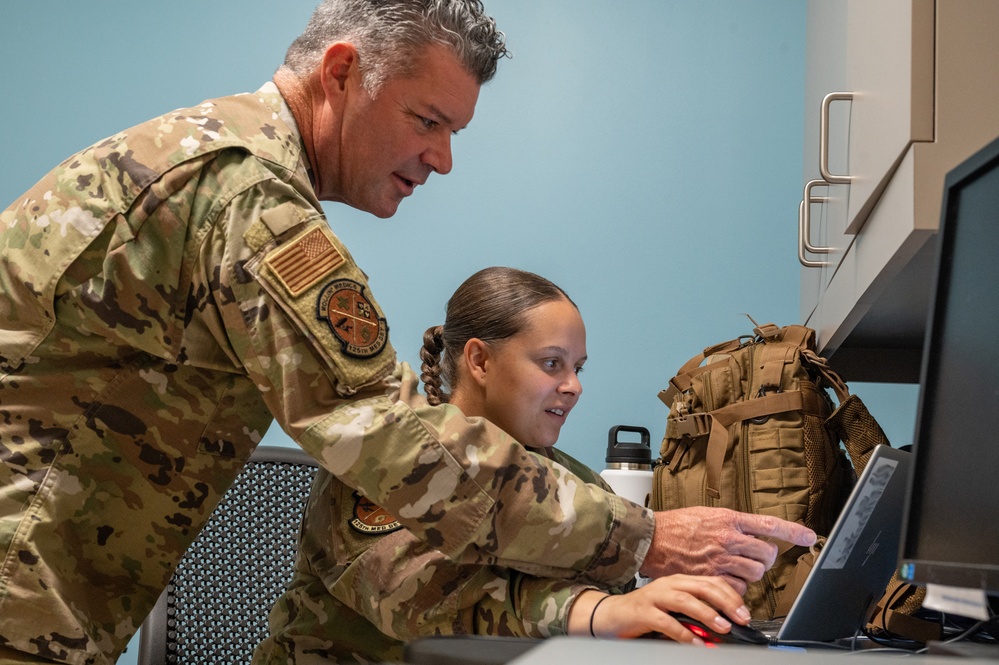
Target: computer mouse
x=738 y=635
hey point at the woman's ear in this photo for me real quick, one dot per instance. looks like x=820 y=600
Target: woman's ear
x=477 y=358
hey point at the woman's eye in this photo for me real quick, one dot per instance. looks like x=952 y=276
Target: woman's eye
x=578 y=370
x=550 y=364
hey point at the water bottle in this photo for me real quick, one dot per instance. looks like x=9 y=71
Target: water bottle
x=629 y=465
x=629 y=470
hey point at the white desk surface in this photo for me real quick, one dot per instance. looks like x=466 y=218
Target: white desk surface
x=586 y=651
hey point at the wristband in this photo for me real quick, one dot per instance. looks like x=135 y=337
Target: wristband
x=594 y=613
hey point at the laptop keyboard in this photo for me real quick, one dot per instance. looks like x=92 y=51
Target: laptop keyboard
x=768 y=627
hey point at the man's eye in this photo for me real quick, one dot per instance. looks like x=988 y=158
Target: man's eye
x=550 y=364
x=428 y=123
x=578 y=370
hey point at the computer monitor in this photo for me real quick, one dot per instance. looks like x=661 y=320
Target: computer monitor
x=950 y=533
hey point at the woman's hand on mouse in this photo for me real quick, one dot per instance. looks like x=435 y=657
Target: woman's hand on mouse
x=647 y=609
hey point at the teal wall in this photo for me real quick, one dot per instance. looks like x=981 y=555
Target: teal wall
x=643 y=154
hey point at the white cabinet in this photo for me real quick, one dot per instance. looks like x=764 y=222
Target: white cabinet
x=918 y=84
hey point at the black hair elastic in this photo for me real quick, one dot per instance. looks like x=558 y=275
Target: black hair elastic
x=594 y=613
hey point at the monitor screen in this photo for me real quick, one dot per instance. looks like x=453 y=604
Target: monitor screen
x=950 y=531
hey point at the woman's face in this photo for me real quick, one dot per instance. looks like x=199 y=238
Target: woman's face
x=530 y=381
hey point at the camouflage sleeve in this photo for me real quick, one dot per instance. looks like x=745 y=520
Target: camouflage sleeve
x=300 y=317
x=407 y=589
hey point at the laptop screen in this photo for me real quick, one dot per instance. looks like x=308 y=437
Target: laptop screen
x=859 y=557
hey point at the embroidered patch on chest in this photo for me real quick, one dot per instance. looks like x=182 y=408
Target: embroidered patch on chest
x=352 y=317
x=304 y=261
x=371 y=518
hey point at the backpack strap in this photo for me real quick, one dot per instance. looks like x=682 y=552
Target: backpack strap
x=831 y=378
x=858 y=430
x=780 y=346
x=893 y=613
x=721 y=419
x=693 y=367
x=802 y=568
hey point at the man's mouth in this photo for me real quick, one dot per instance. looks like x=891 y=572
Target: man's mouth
x=406 y=185
x=409 y=182
x=557 y=412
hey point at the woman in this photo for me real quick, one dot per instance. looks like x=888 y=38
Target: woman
x=510 y=352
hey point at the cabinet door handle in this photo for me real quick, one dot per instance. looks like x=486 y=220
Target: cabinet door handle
x=805 y=226
x=824 y=138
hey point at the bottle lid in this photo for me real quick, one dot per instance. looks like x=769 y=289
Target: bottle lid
x=628 y=452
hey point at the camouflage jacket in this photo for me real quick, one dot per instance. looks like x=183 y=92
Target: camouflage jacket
x=164 y=294
x=363 y=586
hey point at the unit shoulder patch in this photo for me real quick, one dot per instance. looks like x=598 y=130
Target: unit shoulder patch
x=370 y=518
x=352 y=318
x=313 y=280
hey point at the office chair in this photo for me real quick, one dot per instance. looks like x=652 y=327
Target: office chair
x=215 y=608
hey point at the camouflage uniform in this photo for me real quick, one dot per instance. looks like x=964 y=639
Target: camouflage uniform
x=363 y=586
x=162 y=294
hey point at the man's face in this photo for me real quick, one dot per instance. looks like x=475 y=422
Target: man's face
x=389 y=144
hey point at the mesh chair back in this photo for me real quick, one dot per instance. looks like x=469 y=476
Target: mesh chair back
x=215 y=608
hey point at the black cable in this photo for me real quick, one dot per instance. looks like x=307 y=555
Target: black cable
x=884 y=620
x=967 y=633
x=907 y=652
x=807 y=643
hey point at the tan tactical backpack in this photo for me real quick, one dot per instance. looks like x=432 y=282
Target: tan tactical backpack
x=752 y=428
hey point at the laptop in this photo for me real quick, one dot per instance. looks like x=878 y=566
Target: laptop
x=855 y=565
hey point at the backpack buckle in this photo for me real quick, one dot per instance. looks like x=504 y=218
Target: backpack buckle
x=767 y=331
x=691 y=425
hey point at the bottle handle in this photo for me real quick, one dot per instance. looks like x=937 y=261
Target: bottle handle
x=612 y=439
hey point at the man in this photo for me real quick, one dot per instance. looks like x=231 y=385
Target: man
x=167 y=292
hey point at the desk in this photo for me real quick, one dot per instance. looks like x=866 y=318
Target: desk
x=586 y=651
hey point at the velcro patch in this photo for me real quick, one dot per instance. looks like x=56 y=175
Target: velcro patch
x=349 y=333
x=352 y=318
x=371 y=518
x=304 y=261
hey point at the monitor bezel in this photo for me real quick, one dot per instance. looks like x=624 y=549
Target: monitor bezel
x=912 y=566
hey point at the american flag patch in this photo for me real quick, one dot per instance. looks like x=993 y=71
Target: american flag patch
x=304 y=261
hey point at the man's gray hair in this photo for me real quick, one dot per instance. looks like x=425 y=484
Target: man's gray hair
x=389 y=34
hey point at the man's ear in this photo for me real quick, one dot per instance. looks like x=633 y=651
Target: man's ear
x=338 y=66
x=478 y=359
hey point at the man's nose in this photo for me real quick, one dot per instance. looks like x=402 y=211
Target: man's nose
x=438 y=155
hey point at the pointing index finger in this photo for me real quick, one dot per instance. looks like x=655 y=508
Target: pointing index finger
x=772 y=527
